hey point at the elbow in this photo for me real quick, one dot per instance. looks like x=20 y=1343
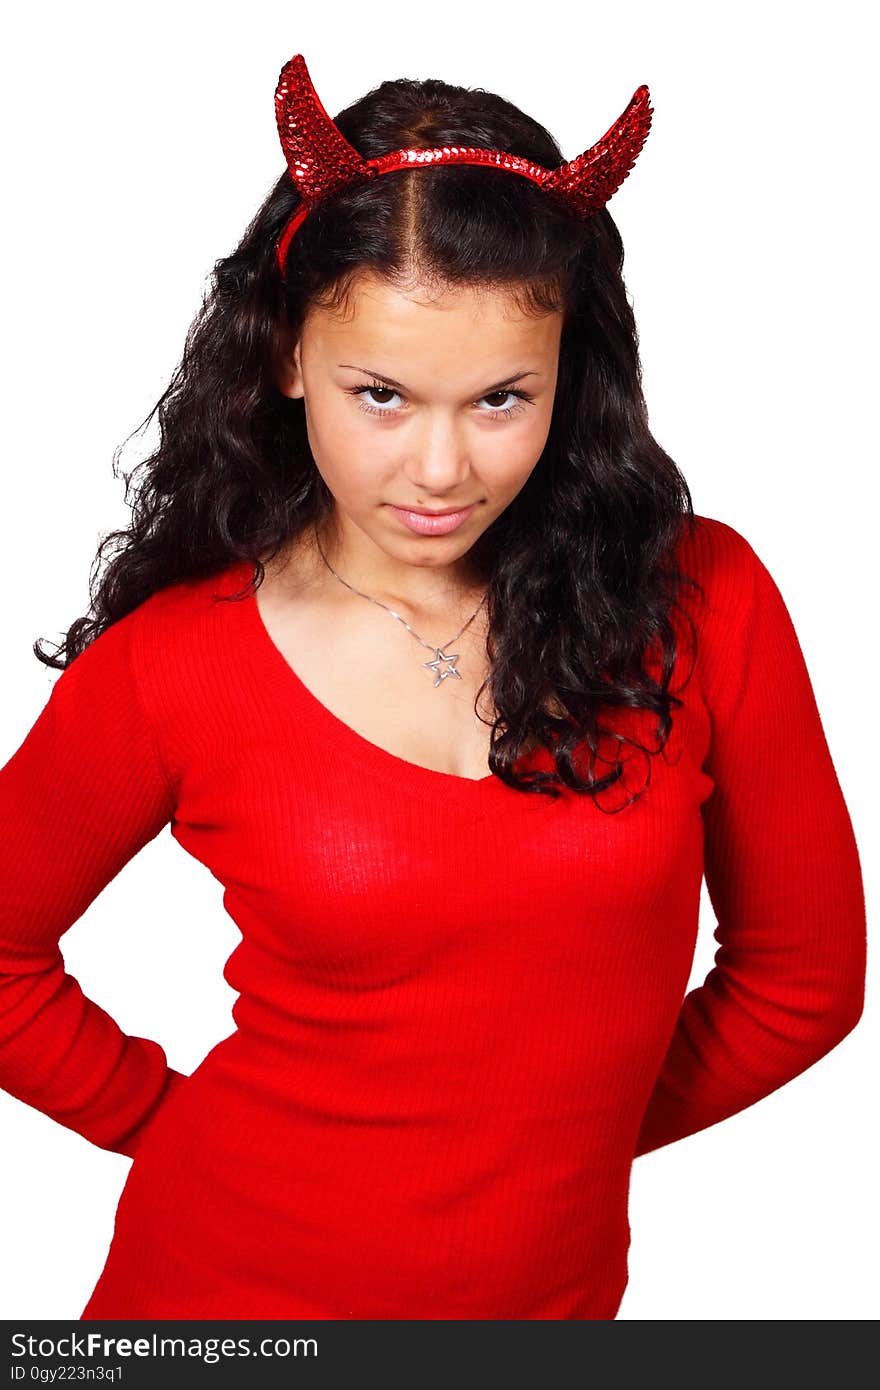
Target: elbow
x=845 y=996
x=841 y=1022
x=851 y=1019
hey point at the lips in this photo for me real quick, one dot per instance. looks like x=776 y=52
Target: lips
x=446 y=511
x=427 y=523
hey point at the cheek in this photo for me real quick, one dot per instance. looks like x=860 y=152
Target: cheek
x=506 y=460
x=337 y=439
x=353 y=464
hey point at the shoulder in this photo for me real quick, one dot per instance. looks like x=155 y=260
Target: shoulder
x=716 y=553
x=171 y=620
x=743 y=624
x=729 y=574
x=151 y=649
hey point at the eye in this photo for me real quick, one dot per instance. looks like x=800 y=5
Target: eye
x=522 y=399
x=377 y=387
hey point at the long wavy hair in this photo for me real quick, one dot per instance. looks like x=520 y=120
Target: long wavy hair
x=580 y=571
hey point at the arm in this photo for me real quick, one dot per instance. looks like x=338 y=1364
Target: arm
x=781 y=865
x=84 y=792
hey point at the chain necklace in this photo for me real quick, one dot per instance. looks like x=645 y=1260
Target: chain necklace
x=440 y=656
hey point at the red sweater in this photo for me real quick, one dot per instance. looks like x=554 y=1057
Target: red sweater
x=460 y=1011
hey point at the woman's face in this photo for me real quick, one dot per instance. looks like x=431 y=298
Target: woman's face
x=418 y=400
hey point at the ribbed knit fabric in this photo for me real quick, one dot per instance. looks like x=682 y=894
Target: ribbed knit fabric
x=461 y=1008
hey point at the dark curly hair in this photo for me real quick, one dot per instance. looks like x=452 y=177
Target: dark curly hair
x=580 y=568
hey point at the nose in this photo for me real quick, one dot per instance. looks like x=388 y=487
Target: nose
x=439 y=460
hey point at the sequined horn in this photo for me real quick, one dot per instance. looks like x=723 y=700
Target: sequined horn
x=587 y=182
x=318 y=156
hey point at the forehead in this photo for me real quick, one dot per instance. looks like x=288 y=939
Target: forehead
x=420 y=320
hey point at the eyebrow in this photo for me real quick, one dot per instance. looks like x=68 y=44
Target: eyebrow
x=499 y=385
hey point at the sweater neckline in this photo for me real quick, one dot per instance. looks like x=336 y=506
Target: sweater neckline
x=272 y=665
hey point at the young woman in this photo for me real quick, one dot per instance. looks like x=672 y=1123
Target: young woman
x=416 y=643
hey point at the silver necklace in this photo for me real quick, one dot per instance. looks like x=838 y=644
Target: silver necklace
x=440 y=655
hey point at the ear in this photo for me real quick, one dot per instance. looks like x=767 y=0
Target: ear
x=288 y=366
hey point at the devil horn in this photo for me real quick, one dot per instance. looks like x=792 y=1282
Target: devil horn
x=318 y=155
x=589 y=181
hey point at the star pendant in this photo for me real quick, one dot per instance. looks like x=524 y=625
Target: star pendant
x=435 y=666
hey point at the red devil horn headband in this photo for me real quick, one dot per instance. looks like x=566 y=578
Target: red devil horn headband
x=321 y=160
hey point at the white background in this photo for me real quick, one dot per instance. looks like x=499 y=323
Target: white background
x=138 y=144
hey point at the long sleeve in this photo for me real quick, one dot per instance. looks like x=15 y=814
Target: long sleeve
x=82 y=794
x=780 y=861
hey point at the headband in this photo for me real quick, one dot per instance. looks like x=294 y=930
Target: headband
x=321 y=161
